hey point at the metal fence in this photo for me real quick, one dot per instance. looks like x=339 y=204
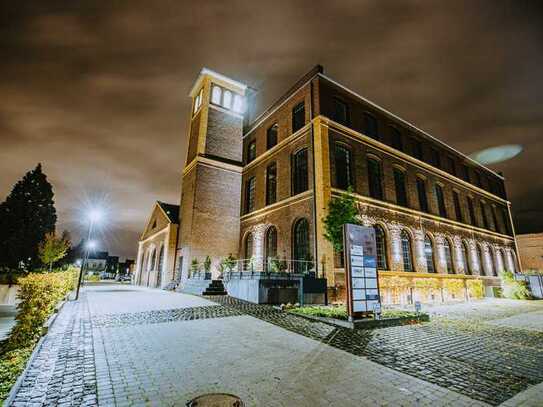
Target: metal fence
x=535 y=283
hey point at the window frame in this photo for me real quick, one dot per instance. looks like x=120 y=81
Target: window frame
x=372 y=182
x=251 y=146
x=270 y=182
x=250 y=194
x=422 y=194
x=298 y=117
x=300 y=182
x=400 y=186
x=348 y=176
x=270 y=145
x=440 y=199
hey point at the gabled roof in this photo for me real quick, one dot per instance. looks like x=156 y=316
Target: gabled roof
x=171 y=211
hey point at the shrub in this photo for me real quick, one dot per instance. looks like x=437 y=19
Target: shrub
x=12 y=364
x=38 y=295
x=513 y=289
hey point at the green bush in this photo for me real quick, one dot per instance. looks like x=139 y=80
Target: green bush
x=38 y=294
x=12 y=364
x=514 y=289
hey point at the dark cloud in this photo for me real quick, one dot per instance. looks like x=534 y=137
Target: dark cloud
x=97 y=90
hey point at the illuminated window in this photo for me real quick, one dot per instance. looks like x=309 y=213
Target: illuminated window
x=406 y=251
x=198 y=101
x=344 y=178
x=238 y=104
x=380 y=241
x=227 y=99
x=216 y=95
x=429 y=254
x=448 y=258
x=271 y=243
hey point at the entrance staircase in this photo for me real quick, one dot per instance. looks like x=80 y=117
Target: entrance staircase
x=202 y=287
x=215 y=288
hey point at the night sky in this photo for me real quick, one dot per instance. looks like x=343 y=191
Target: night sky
x=97 y=90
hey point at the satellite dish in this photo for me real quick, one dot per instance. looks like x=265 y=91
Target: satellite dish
x=498 y=154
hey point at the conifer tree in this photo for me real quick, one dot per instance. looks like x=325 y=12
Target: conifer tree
x=26 y=216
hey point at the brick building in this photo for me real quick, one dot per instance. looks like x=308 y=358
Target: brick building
x=530 y=248
x=260 y=188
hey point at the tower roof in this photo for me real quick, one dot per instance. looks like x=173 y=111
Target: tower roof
x=240 y=87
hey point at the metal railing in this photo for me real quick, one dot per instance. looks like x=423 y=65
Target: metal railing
x=247 y=267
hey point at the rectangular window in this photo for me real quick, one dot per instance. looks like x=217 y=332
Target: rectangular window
x=421 y=192
x=271 y=184
x=471 y=209
x=440 y=196
x=341 y=112
x=396 y=138
x=251 y=151
x=452 y=166
x=271 y=136
x=483 y=213
x=399 y=183
x=298 y=117
x=250 y=195
x=465 y=173
x=343 y=166
x=495 y=219
x=417 y=149
x=506 y=221
x=375 y=177
x=370 y=126
x=457 y=207
x=299 y=174
x=436 y=159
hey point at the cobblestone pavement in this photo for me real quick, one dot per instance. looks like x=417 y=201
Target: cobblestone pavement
x=63 y=372
x=116 y=348
x=484 y=362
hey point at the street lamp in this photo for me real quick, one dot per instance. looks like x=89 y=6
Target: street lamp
x=94 y=216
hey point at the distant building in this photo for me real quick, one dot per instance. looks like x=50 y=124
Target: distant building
x=260 y=189
x=530 y=247
x=126 y=267
x=97 y=263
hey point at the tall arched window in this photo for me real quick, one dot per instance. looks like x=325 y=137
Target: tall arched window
x=380 y=241
x=271 y=243
x=429 y=254
x=375 y=177
x=299 y=172
x=406 y=251
x=448 y=257
x=343 y=161
x=248 y=246
x=300 y=244
x=161 y=258
x=499 y=261
x=465 y=258
x=481 y=261
x=227 y=99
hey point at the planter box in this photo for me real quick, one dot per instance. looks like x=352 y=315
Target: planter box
x=368 y=323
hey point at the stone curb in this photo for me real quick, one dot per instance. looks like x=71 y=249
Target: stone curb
x=44 y=330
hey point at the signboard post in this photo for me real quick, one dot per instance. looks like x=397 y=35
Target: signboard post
x=361 y=271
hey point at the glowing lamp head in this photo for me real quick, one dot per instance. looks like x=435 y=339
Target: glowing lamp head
x=95 y=215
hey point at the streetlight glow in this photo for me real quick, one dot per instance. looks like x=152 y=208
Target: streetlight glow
x=95 y=215
x=91 y=245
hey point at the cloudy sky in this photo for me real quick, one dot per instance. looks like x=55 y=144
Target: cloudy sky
x=97 y=90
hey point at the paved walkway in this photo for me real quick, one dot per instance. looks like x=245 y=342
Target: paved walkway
x=123 y=345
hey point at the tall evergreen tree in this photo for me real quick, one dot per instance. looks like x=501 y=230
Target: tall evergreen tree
x=26 y=216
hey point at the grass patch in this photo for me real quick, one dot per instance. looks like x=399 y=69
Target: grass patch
x=340 y=312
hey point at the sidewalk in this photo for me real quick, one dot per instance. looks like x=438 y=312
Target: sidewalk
x=125 y=345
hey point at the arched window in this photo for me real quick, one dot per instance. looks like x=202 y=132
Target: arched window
x=299 y=173
x=300 y=245
x=448 y=257
x=248 y=246
x=429 y=254
x=465 y=258
x=343 y=161
x=380 y=242
x=375 y=178
x=271 y=243
x=216 y=95
x=238 y=104
x=271 y=136
x=481 y=260
x=271 y=184
x=227 y=99
x=499 y=261
x=406 y=251
x=161 y=259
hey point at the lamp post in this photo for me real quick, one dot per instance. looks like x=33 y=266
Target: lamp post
x=94 y=216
